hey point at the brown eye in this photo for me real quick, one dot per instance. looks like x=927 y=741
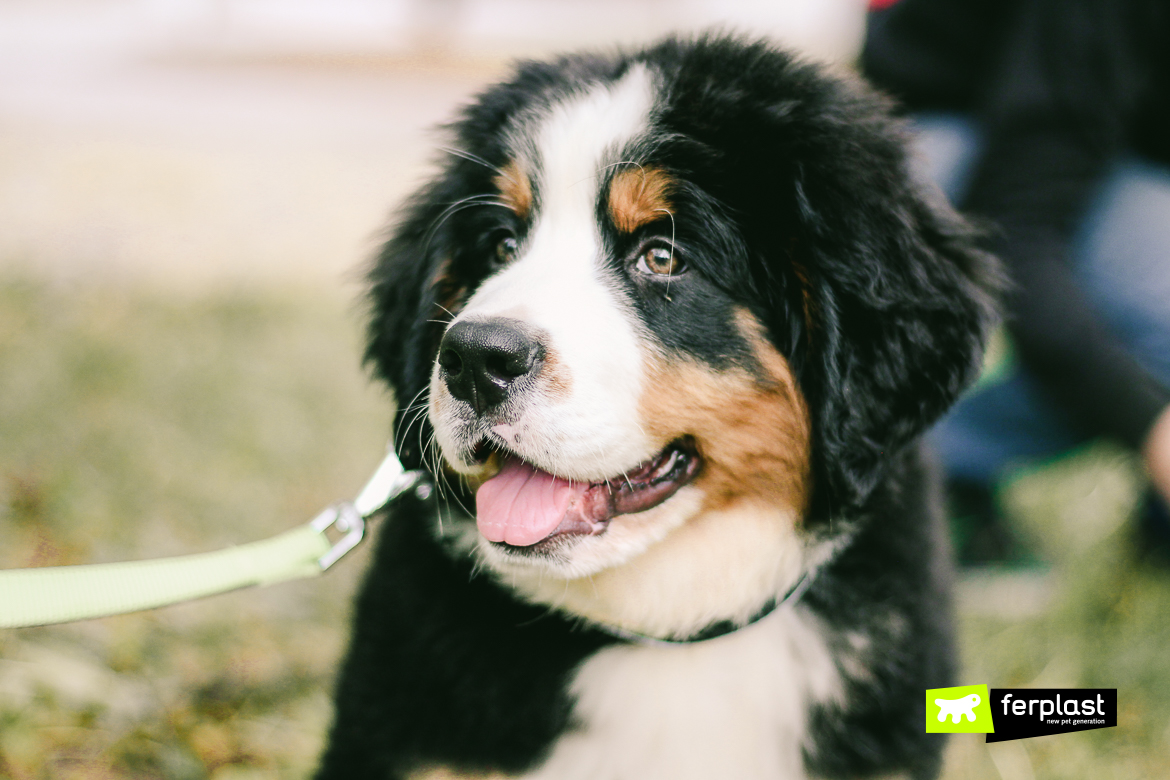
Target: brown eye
x=506 y=251
x=661 y=261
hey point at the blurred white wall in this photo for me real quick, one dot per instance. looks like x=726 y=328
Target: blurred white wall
x=194 y=142
x=829 y=29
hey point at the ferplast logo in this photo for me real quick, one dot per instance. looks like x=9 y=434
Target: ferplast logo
x=1019 y=713
x=965 y=709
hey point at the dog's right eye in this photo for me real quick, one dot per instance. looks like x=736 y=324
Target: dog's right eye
x=506 y=251
x=661 y=261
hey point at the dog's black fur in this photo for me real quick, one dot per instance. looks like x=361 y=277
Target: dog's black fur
x=798 y=206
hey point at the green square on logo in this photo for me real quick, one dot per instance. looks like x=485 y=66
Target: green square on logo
x=965 y=709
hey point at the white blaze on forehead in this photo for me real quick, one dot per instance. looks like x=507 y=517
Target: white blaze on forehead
x=559 y=285
x=579 y=137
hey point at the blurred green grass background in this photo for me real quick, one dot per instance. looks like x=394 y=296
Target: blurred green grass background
x=143 y=424
x=138 y=423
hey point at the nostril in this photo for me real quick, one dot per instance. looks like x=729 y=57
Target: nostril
x=450 y=361
x=507 y=365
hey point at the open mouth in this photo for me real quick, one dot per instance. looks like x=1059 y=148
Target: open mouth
x=522 y=505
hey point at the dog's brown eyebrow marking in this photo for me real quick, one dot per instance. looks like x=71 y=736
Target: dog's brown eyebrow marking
x=515 y=189
x=638 y=196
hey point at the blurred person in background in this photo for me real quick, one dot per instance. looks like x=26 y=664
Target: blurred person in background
x=1050 y=121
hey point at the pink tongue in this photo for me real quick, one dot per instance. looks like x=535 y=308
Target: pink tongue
x=522 y=505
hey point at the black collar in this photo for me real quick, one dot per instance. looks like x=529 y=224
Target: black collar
x=715 y=630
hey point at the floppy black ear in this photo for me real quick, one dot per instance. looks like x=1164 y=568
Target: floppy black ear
x=901 y=299
x=406 y=284
x=900 y=336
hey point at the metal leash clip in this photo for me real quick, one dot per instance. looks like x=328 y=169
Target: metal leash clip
x=389 y=482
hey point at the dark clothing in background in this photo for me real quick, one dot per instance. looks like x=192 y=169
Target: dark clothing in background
x=1061 y=88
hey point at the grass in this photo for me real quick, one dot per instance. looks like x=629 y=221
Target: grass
x=1102 y=621
x=136 y=424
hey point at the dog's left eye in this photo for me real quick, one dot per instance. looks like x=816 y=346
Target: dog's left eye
x=506 y=251
x=661 y=261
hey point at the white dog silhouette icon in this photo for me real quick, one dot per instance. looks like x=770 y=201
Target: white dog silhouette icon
x=957 y=708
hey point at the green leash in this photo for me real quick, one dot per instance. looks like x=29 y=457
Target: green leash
x=59 y=594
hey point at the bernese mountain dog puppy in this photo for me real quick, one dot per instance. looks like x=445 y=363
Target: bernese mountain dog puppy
x=665 y=328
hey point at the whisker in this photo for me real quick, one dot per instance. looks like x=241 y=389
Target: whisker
x=466 y=203
x=459 y=205
x=440 y=478
x=400 y=436
x=607 y=167
x=625 y=162
x=470 y=158
x=640 y=168
x=422 y=404
x=419 y=418
x=453 y=494
x=482 y=199
x=672 y=235
x=443 y=483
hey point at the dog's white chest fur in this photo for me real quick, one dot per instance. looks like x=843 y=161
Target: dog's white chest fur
x=733 y=707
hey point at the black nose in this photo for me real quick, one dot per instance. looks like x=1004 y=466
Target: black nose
x=482 y=360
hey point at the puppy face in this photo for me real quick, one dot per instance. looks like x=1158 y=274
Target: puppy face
x=663 y=313
x=596 y=387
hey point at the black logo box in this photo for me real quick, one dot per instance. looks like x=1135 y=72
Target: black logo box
x=1019 y=713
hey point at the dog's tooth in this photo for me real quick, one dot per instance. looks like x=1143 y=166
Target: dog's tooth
x=665 y=466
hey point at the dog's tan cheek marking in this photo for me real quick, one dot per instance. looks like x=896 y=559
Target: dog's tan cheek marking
x=557 y=382
x=638 y=196
x=515 y=189
x=752 y=432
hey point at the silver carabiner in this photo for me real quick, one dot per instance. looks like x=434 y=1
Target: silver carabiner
x=389 y=482
x=349 y=522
